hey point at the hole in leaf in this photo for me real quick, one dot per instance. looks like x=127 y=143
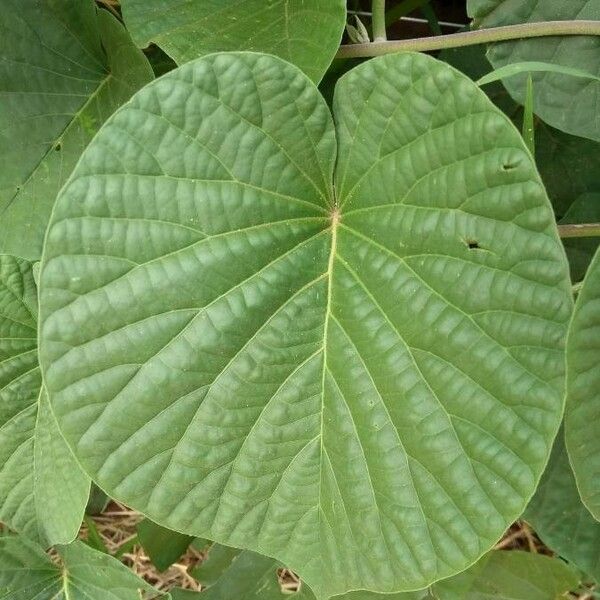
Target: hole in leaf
x=472 y=244
x=289 y=582
x=58 y=147
x=509 y=166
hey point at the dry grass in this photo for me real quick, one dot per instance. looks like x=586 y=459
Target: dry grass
x=117 y=526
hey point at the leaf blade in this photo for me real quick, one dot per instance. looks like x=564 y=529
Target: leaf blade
x=272 y=370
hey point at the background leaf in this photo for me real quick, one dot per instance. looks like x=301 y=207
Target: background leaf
x=580 y=251
x=218 y=560
x=64 y=68
x=329 y=395
x=43 y=491
x=499 y=575
x=305 y=33
x=26 y=573
x=162 y=545
x=556 y=94
x=560 y=519
x=583 y=390
x=510 y=576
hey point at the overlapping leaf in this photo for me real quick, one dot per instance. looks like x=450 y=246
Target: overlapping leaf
x=363 y=384
x=306 y=33
x=560 y=519
x=555 y=94
x=583 y=389
x=162 y=546
x=63 y=70
x=42 y=489
x=27 y=573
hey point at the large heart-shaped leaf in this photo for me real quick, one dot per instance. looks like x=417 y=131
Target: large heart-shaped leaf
x=43 y=491
x=583 y=389
x=63 y=70
x=27 y=573
x=560 y=519
x=363 y=383
x=307 y=33
x=555 y=94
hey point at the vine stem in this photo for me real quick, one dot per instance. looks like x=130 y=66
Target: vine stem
x=378 y=17
x=468 y=38
x=579 y=230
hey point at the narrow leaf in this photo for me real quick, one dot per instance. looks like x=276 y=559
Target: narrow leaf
x=533 y=67
x=528 y=119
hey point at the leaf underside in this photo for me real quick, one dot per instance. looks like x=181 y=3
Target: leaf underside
x=583 y=389
x=364 y=385
x=305 y=33
x=63 y=70
x=555 y=94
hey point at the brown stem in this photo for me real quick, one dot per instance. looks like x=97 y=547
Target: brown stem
x=576 y=230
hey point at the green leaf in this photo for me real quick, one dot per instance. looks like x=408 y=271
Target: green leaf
x=163 y=546
x=560 y=519
x=528 y=118
x=556 y=93
x=514 y=575
x=97 y=501
x=580 y=251
x=306 y=33
x=252 y=576
x=26 y=573
x=217 y=561
x=569 y=166
x=64 y=68
x=364 y=385
x=43 y=491
x=583 y=389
